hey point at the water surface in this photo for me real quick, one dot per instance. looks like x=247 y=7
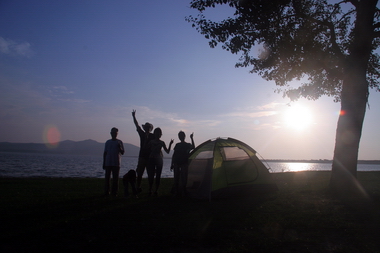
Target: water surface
x=50 y=165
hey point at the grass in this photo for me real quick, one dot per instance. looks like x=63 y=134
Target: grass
x=71 y=215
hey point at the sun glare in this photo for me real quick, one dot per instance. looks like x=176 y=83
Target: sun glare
x=298 y=117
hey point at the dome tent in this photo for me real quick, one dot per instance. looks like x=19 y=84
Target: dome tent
x=226 y=167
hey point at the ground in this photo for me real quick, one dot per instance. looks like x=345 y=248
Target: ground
x=71 y=215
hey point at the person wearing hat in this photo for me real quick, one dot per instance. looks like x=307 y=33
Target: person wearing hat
x=145 y=136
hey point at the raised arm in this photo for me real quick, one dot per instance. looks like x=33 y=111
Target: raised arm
x=192 y=140
x=167 y=150
x=134 y=119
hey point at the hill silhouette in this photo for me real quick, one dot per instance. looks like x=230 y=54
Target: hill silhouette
x=86 y=147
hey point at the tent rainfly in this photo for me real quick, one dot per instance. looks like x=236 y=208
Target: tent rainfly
x=224 y=168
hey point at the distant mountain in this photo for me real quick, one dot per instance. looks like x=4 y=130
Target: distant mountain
x=87 y=147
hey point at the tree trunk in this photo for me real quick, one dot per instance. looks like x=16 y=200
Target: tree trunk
x=354 y=98
x=348 y=134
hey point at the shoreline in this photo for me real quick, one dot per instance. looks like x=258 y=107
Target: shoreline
x=372 y=161
x=316 y=161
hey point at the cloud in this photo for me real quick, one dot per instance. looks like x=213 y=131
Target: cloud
x=14 y=48
x=272 y=105
x=75 y=100
x=157 y=117
x=250 y=114
x=62 y=89
x=210 y=123
x=58 y=91
x=180 y=121
x=255 y=112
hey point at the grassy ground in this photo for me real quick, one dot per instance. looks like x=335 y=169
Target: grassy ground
x=71 y=215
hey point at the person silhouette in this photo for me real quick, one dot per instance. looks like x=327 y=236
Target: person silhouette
x=145 y=137
x=155 y=162
x=180 y=163
x=113 y=150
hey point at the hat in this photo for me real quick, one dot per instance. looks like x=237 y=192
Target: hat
x=148 y=125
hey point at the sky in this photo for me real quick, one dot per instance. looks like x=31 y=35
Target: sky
x=72 y=70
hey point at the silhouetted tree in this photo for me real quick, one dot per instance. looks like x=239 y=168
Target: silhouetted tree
x=331 y=44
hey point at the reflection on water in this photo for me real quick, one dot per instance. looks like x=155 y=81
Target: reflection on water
x=298 y=166
x=324 y=166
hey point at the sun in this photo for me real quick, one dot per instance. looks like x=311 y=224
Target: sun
x=298 y=117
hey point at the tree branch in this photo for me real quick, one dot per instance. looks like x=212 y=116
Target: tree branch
x=325 y=23
x=354 y=2
x=346 y=14
x=335 y=45
x=330 y=26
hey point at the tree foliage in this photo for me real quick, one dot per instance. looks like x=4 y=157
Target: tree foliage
x=308 y=40
x=331 y=46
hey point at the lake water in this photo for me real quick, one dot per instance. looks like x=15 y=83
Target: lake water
x=48 y=165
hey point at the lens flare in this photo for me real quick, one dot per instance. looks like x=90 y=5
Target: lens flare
x=51 y=136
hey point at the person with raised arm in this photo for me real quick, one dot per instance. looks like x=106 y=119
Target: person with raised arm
x=180 y=164
x=156 y=161
x=145 y=137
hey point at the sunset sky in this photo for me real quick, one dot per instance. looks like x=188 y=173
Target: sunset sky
x=72 y=70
